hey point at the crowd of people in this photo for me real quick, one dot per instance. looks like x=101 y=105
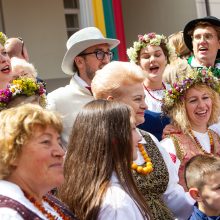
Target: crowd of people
x=123 y=140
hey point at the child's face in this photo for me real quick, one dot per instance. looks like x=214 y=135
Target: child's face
x=210 y=195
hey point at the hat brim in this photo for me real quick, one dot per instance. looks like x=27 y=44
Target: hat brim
x=189 y=26
x=76 y=49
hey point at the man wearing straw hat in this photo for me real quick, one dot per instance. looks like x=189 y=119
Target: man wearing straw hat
x=87 y=51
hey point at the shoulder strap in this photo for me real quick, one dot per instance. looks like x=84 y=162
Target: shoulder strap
x=216 y=140
x=179 y=150
x=61 y=205
x=25 y=213
x=144 y=133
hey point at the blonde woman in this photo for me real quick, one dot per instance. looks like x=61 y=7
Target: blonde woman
x=193 y=105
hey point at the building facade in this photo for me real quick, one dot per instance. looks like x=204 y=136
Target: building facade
x=45 y=25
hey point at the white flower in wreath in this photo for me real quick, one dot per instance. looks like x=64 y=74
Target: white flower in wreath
x=132 y=54
x=15 y=90
x=137 y=46
x=155 y=41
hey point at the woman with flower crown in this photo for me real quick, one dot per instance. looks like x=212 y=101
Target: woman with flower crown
x=153 y=170
x=152 y=53
x=193 y=105
x=5 y=64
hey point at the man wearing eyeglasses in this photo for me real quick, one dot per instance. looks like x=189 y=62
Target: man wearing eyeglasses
x=87 y=51
x=202 y=37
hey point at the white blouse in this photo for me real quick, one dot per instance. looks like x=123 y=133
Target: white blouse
x=117 y=204
x=13 y=191
x=176 y=199
x=153 y=98
x=216 y=127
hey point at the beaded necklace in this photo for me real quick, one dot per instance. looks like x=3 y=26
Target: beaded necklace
x=160 y=100
x=147 y=167
x=40 y=207
x=199 y=146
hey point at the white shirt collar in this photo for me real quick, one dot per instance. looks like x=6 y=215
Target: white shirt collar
x=10 y=189
x=13 y=191
x=194 y=63
x=80 y=80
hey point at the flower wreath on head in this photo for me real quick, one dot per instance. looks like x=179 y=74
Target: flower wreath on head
x=22 y=86
x=152 y=39
x=3 y=38
x=196 y=76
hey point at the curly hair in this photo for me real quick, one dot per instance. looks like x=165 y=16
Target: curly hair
x=179 y=115
x=17 y=127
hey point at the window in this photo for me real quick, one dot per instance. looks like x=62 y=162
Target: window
x=71 y=11
x=208 y=7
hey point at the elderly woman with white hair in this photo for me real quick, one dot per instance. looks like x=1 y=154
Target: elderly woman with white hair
x=153 y=171
x=21 y=67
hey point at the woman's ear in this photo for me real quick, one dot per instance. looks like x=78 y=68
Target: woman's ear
x=110 y=98
x=14 y=162
x=195 y=194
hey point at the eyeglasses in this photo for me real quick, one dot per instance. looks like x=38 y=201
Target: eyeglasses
x=22 y=46
x=206 y=37
x=100 y=55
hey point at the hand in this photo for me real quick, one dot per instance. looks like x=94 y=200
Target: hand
x=170 y=129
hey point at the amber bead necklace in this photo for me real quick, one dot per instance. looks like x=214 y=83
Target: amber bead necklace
x=199 y=146
x=41 y=208
x=147 y=167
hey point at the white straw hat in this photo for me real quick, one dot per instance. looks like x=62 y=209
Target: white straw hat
x=80 y=41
